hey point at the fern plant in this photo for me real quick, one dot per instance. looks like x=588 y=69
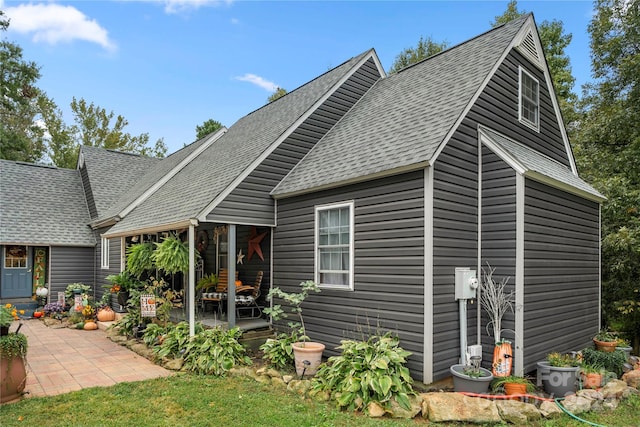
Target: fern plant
x=172 y=255
x=140 y=258
x=367 y=371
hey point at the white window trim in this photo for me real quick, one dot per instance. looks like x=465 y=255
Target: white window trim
x=525 y=121
x=318 y=209
x=104 y=253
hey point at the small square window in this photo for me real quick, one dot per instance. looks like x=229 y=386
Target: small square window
x=529 y=105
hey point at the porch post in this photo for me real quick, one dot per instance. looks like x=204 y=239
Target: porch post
x=192 y=282
x=231 y=285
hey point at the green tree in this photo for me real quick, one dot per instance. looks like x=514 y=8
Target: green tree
x=279 y=93
x=20 y=136
x=209 y=126
x=93 y=126
x=608 y=152
x=554 y=42
x=424 y=49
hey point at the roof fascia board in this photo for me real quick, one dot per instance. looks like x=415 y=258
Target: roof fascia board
x=154 y=229
x=390 y=172
x=48 y=244
x=107 y=222
x=144 y=196
x=537 y=176
x=514 y=163
x=202 y=216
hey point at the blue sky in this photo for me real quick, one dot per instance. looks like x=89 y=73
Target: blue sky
x=169 y=65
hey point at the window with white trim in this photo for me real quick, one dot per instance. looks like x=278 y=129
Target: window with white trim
x=529 y=108
x=334 y=245
x=104 y=251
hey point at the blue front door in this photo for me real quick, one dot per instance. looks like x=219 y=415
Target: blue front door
x=16 y=272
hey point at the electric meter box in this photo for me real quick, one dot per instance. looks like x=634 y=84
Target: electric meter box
x=466 y=283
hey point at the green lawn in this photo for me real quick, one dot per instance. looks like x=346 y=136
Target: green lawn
x=205 y=401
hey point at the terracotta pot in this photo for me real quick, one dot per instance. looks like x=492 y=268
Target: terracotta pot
x=106 y=315
x=310 y=352
x=515 y=388
x=592 y=380
x=606 y=346
x=13 y=378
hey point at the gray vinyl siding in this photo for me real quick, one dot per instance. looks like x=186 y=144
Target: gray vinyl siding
x=71 y=265
x=498 y=236
x=497 y=107
x=249 y=268
x=250 y=202
x=114 y=262
x=455 y=244
x=388 y=290
x=86 y=185
x=561 y=272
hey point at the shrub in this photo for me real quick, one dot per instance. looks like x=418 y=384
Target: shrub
x=153 y=334
x=175 y=340
x=367 y=371
x=214 y=352
x=611 y=361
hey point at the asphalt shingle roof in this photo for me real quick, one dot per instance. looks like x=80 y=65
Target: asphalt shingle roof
x=43 y=205
x=113 y=173
x=404 y=118
x=533 y=161
x=216 y=168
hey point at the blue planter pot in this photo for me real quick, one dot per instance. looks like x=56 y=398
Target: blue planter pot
x=465 y=383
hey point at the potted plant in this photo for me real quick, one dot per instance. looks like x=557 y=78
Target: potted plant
x=559 y=374
x=471 y=378
x=512 y=385
x=140 y=258
x=496 y=301
x=591 y=376
x=605 y=341
x=172 y=255
x=13 y=352
x=307 y=355
x=624 y=346
x=121 y=285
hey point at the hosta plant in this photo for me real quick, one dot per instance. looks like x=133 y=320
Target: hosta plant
x=175 y=340
x=214 y=352
x=278 y=351
x=367 y=371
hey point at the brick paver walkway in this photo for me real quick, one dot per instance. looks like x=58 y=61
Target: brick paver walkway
x=61 y=360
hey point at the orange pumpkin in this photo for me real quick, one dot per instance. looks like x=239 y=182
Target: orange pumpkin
x=238 y=283
x=106 y=314
x=502 y=359
x=90 y=326
x=38 y=314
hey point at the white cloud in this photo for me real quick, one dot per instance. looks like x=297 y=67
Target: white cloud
x=54 y=23
x=258 y=81
x=177 y=6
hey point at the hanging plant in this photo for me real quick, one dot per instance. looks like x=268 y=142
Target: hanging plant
x=140 y=258
x=172 y=255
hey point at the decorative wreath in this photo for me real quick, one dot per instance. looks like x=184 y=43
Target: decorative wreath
x=202 y=241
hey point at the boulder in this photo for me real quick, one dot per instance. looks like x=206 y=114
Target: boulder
x=272 y=373
x=516 y=412
x=614 y=388
x=632 y=378
x=375 y=410
x=287 y=378
x=278 y=382
x=441 y=407
x=550 y=409
x=576 y=404
x=174 y=364
x=610 y=404
x=415 y=406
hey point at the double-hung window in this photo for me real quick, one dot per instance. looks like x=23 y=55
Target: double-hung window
x=529 y=108
x=334 y=245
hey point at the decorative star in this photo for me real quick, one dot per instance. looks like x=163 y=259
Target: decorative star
x=254 y=243
x=240 y=257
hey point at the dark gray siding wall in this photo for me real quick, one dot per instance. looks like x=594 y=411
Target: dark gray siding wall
x=70 y=265
x=497 y=107
x=455 y=244
x=249 y=268
x=498 y=236
x=561 y=303
x=250 y=202
x=389 y=264
x=114 y=262
x=86 y=185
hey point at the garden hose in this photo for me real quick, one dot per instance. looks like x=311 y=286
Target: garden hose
x=575 y=416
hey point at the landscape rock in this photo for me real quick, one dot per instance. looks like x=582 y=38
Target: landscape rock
x=263 y=379
x=632 y=378
x=299 y=386
x=576 y=404
x=375 y=410
x=441 y=407
x=174 y=364
x=549 y=409
x=614 y=388
x=272 y=373
x=516 y=412
x=415 y=406
x=610 y=404
x=287 y=378
x=278 y=382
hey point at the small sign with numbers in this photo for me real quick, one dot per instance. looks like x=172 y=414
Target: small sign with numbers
x=147 y=305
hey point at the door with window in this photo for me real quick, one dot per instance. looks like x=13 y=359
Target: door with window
x=16 y=272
